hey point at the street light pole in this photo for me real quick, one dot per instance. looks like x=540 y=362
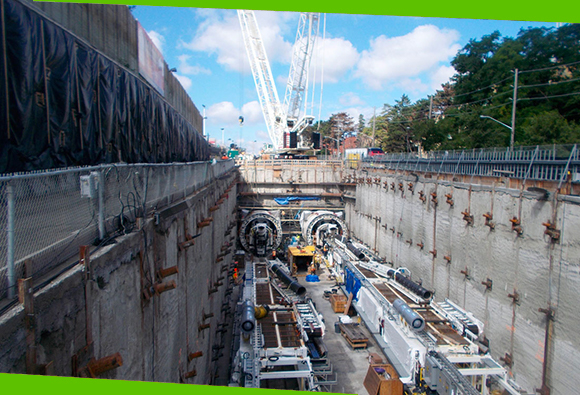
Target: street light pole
x=223 y=138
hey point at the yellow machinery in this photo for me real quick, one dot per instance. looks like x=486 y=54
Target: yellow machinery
x=300 y=259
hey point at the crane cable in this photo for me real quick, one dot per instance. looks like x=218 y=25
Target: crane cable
x=241 y=118
x=314 y=78
x=322 y=72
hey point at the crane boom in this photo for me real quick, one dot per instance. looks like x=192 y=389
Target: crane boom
x=281 y=120
x=302 y=54
x=267 y=93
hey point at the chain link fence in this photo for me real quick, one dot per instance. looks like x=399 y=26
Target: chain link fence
x=46 y=216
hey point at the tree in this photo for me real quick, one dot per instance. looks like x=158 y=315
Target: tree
x=361 y=123
x=548 y=97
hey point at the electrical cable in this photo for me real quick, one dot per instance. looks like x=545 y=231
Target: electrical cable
x=549 y=83
x=549 y=97
x=548 y=68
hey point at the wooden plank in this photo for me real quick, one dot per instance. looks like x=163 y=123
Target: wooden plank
x=353 y=332
x=348 y=302
x=356 y=345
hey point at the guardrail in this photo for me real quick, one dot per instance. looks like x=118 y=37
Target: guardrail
x=290 y=162
x=45 y=216
x=549 y=163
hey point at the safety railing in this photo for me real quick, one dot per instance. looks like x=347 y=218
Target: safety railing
x=290 y=162
x=548 y=163
x=45 y=216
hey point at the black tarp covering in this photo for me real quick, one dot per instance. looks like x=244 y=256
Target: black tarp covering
x=68 y=105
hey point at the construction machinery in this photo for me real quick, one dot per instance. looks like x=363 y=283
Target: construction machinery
x=285 y=121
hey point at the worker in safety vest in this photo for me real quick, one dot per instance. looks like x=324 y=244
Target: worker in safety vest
x=312 y=269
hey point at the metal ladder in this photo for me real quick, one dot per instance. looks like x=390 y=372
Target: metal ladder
x=453 y=312
x=307 y=315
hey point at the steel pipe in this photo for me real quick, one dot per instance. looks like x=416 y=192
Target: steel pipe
x=416 y=322
x=248 y=316
x=358 y=253
x=286 y=279
x=413 y=286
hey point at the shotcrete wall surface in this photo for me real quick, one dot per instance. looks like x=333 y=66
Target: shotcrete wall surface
x=154 y=337
x=457 y=257
x=289 y=172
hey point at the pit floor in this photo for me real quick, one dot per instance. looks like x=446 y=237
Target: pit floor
x=350 y=366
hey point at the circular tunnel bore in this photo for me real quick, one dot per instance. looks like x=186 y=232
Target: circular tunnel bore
x=321 y=225
x=261 y=232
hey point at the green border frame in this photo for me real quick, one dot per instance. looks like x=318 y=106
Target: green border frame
x=528 y=10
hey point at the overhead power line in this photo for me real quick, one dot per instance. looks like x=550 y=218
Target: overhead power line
x=550 y=68
x=549 y=97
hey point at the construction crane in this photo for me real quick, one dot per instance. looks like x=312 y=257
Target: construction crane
x=284 y=121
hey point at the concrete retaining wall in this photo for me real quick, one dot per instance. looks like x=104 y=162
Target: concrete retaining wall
x=543 y=273
x=155 y=336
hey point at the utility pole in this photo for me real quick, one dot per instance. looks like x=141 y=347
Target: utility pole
x=374 y=119
x=430 y=106
x=515 y=99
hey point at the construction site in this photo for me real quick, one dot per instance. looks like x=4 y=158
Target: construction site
x=449 y=273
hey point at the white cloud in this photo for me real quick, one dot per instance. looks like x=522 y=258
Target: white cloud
x=390 y=59
x=252 y=113
x=157 y=39
x=185 y=81
x=220 y=34
x=339 y=56
x=225 y=113
x=350 y=99
x=186 y=68
x=412 y=85
x=441 y=76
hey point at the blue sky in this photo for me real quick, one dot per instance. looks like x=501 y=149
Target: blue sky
x=368 y=60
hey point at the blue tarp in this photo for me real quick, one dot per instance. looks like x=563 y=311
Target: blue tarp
x=352 y=283
x=286 y=200
x=312 y=278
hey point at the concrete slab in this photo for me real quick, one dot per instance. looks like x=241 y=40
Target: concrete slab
x=350 y=366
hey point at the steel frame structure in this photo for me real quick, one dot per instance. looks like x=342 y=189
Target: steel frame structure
x=459 y=364
x=281 y=119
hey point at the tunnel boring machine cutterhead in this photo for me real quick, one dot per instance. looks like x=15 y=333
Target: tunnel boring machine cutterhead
x=321 y=226
x=261 y=232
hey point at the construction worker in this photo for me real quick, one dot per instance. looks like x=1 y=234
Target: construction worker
x=312 y=268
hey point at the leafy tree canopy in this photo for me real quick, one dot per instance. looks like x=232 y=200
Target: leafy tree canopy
x=547 y=107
